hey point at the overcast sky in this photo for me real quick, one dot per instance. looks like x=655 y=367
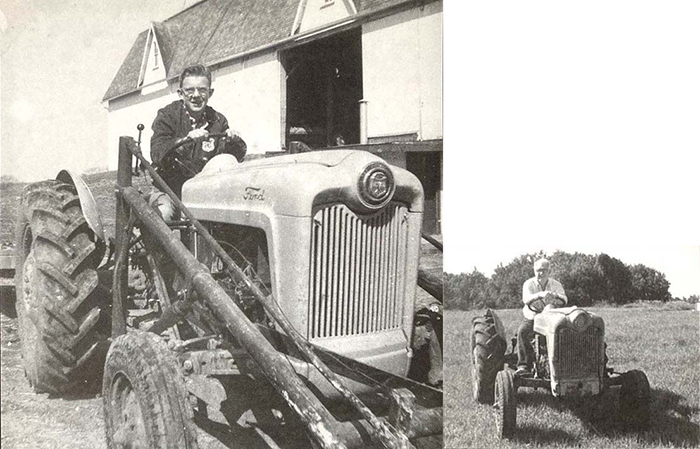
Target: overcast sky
x=577 y=127
x=58 y=59
x=572 y=122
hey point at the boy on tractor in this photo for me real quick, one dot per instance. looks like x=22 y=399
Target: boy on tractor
x=189 y=118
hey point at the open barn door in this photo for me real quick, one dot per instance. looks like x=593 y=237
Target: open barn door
x=324 y=87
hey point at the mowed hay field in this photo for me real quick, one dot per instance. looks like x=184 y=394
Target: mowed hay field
x=662 y=341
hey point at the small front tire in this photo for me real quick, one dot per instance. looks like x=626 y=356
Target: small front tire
x=145 y=401
x=505 y=403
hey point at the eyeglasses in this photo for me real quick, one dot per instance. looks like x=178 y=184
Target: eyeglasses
x=203 y=91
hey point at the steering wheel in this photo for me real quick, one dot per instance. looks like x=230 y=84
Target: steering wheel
x=171 y=150
x=558 y=302
x=539 y=304
x=193 y=166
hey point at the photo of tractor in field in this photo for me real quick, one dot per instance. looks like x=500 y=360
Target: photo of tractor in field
x=295 y=274
x=570 y=362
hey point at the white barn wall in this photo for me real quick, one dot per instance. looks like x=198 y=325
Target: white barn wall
x=249 y=94
x=128 y=111
x=402 y=73
x=430 y=66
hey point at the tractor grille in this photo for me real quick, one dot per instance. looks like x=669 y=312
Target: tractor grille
x=577 y=353
x=357 y=271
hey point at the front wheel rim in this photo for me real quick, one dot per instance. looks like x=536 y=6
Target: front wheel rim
x=129 y=428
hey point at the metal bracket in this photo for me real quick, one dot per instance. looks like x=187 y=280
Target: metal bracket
x=403 y=405
x=212 y=362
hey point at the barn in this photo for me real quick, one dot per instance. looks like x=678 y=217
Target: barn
x=299 y=74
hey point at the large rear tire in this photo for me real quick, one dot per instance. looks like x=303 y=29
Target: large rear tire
x=488 y=349
x=63 y=316
x=505 y=403
x=146 y=404
x=635 y=398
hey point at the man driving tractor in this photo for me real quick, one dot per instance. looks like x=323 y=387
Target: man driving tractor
x=538 y=288
x=189 y=118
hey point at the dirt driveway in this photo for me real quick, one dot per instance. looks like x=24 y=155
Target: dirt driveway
x=32 y=421
x=35 y=421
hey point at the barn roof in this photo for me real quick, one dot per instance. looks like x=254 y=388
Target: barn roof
x=213 y=30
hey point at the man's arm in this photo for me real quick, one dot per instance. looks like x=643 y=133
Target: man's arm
x=529 y=295
x=163 y=137
x=558 y=290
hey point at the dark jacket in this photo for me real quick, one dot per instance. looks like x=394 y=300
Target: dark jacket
x=173 y=123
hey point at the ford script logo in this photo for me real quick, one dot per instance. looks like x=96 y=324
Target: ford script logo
x=254 y=194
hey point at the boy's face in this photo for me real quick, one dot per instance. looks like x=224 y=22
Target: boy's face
x=195 y=92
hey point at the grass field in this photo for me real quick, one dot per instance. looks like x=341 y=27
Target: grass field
x=661 y=341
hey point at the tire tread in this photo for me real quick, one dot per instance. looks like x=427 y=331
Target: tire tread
x=67 y=313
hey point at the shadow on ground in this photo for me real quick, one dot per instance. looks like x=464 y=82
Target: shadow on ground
x=529 y=434
x=670 y=422
x=252 y=416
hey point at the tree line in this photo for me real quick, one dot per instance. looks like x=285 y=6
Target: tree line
x=587 y=279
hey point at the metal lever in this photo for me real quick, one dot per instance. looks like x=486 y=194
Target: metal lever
x=140 y=127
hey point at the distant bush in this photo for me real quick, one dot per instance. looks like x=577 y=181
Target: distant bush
x=8 y=179
x=692 y=299
x=466 y=291
x=649 y=284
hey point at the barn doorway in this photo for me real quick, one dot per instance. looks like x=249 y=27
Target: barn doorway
x=324 y=87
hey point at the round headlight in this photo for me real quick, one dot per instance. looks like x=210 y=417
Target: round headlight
x=376 y=185
x=580 y=320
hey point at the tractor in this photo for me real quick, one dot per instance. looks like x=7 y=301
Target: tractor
x=283 y=295
x=570 y=362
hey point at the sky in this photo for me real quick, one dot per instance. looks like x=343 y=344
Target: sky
x=566 y=124
x=58 y=59
x=578 y=128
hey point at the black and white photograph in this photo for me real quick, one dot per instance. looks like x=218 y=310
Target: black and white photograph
x=221 y=224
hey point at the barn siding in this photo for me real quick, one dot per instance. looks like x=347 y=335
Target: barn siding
x=249 y=94
x=128 y=111
x=402 y=73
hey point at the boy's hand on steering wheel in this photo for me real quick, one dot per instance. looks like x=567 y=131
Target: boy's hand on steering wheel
x=232 y=134
x=198 y=134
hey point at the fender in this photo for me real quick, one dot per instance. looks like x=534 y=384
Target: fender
x=500 y=329
x=87 y=202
